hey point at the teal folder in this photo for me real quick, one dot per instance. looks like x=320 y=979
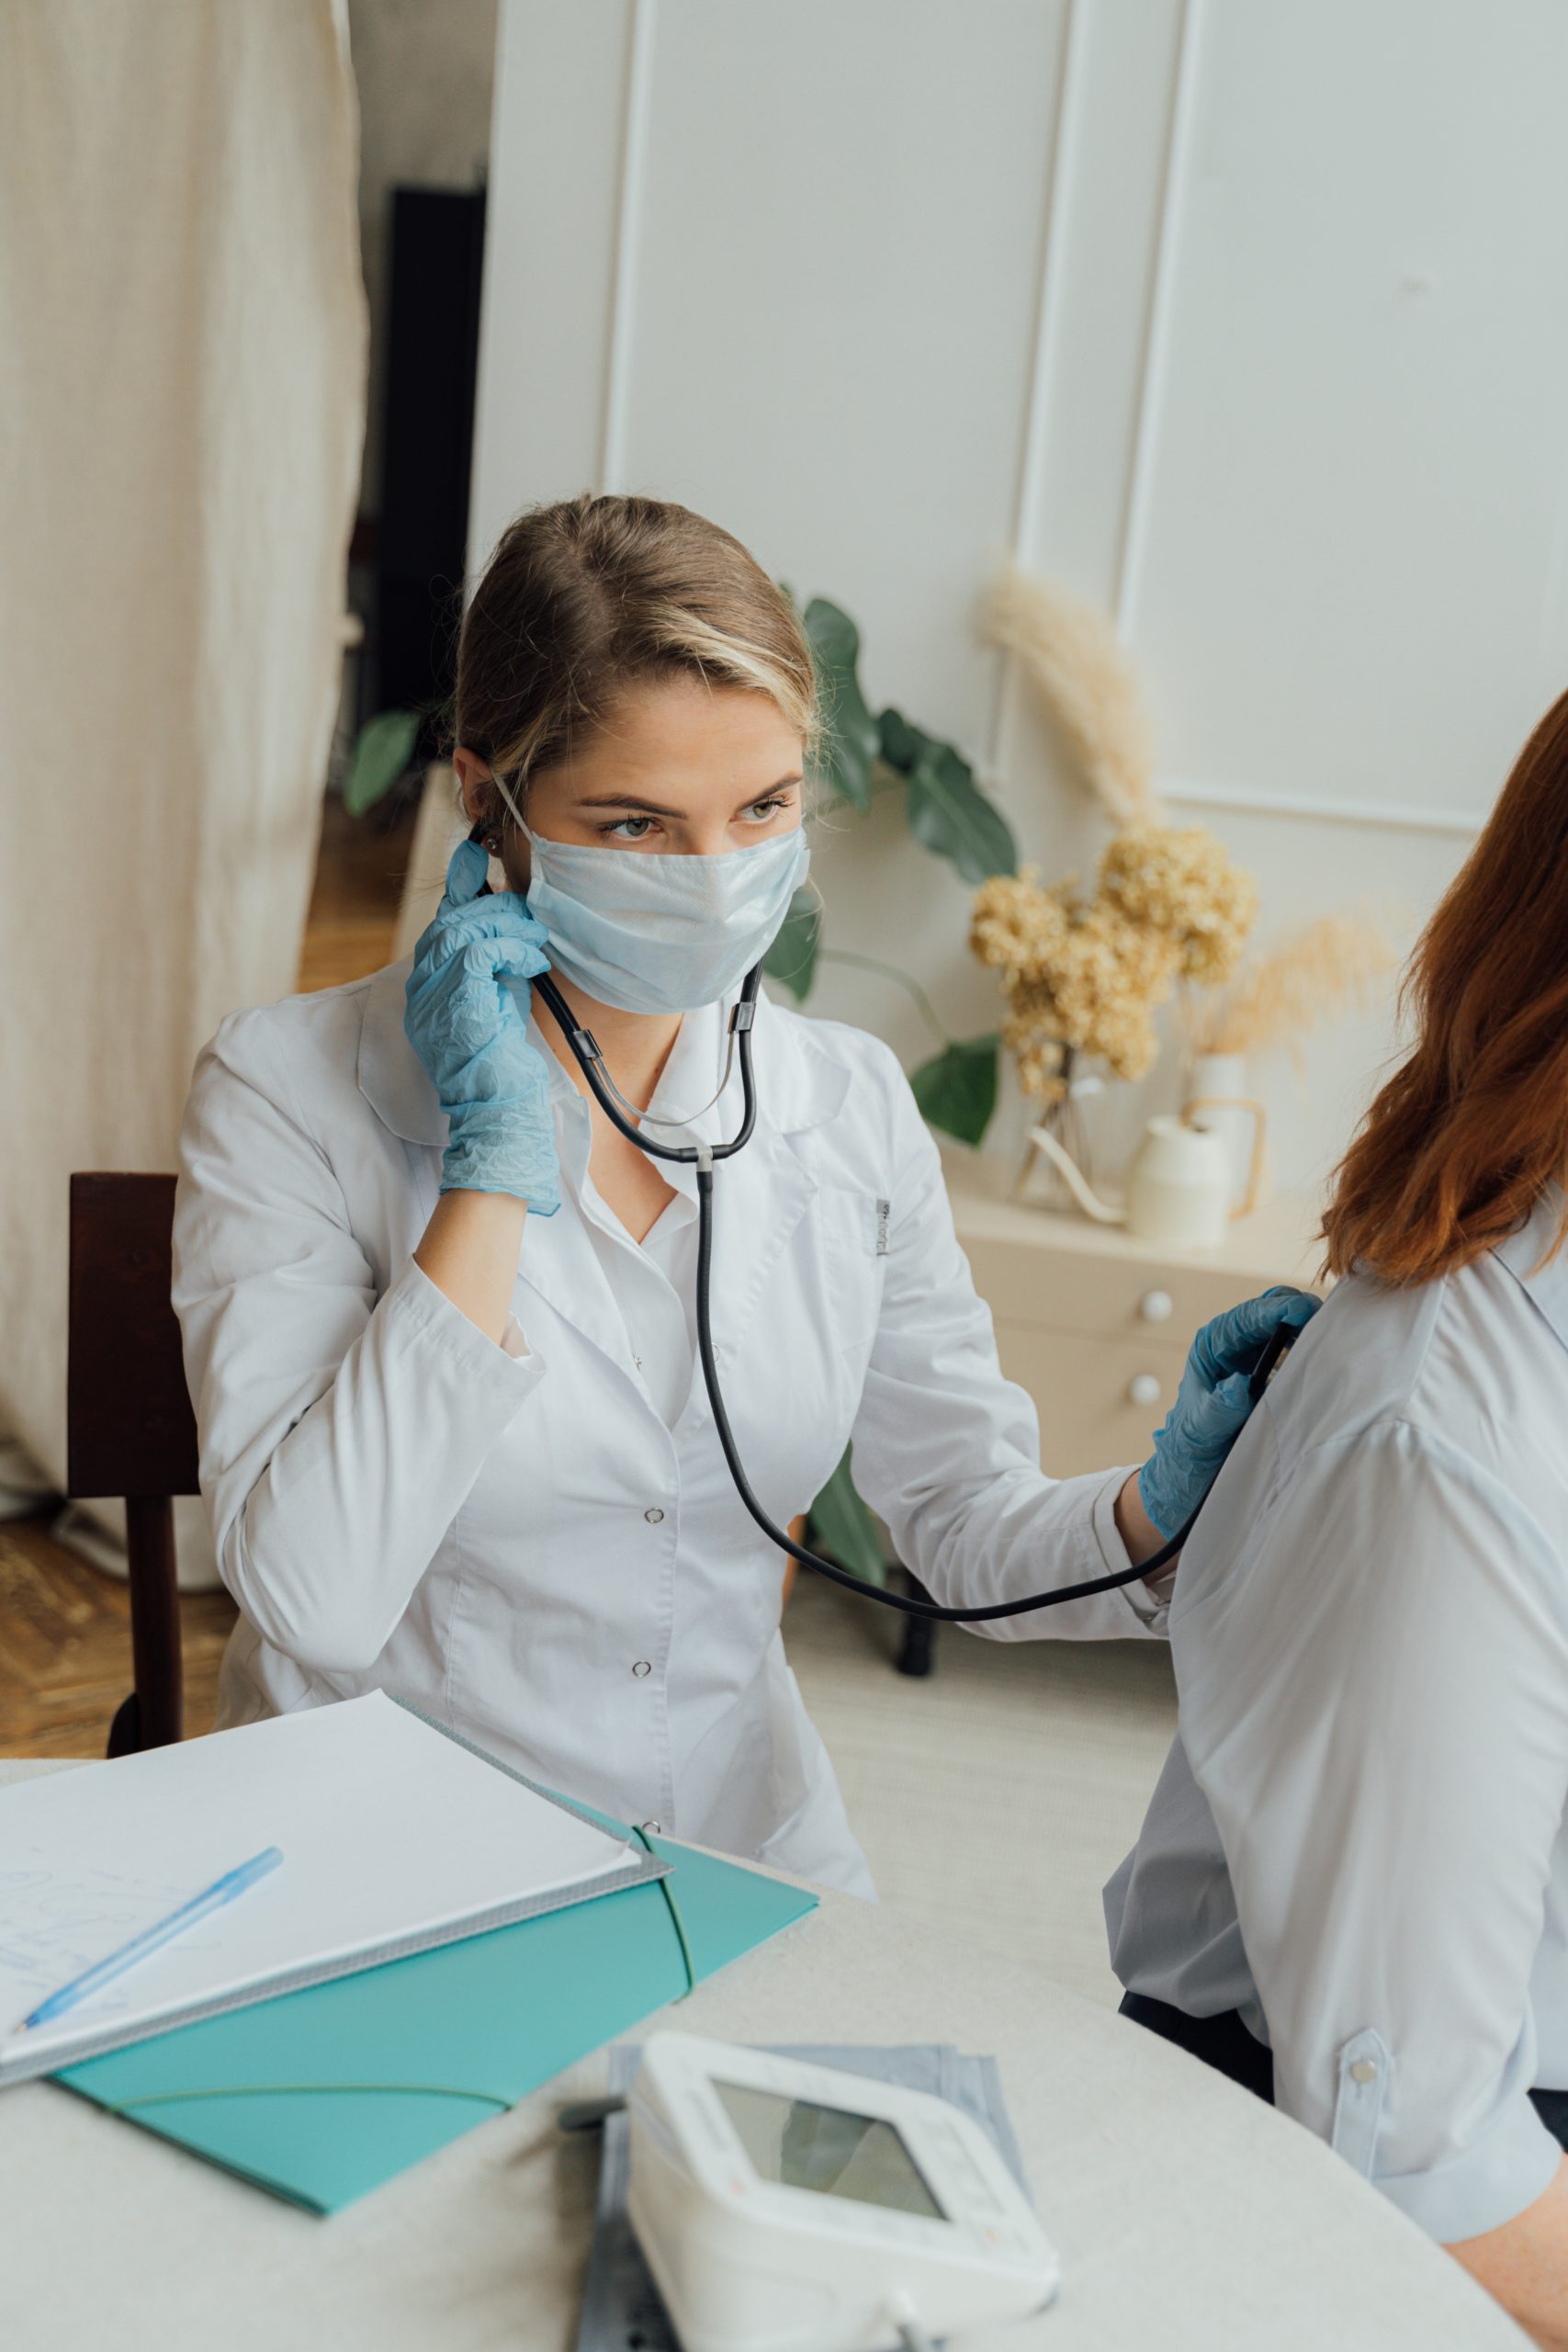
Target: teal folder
x=324 y=2094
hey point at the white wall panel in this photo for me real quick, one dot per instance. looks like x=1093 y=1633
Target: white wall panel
x=1115 y=133
x=1348 y=585
x=1109 y=174
x=550 y=244
x=838 y=246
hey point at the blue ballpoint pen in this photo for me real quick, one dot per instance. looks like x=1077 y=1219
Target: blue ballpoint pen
x=221 y=1890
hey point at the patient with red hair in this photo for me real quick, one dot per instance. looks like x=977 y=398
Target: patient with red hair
x=1350 y=1892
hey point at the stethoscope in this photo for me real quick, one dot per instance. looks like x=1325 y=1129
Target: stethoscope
x=704 y=1157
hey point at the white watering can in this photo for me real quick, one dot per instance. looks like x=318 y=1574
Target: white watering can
x=1181 y=1179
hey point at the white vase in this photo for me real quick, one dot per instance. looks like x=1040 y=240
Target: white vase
x=1225 y=1076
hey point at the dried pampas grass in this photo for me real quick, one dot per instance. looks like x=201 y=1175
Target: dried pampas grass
x=1086 y=678
x=1316 y=974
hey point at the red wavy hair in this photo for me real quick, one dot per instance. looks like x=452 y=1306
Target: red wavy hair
x=1467 y=1135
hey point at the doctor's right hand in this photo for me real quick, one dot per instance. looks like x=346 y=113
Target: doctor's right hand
x=465 y=1017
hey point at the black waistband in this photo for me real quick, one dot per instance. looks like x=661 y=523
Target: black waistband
x=1222 y=2043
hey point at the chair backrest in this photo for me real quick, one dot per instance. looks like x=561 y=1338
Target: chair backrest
x=129 y=1428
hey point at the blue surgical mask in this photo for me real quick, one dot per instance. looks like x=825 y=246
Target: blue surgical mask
x=653 y=933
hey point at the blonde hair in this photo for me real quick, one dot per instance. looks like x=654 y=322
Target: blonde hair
x=585 y=598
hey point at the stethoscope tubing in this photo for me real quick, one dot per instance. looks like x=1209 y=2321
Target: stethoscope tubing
x=906 y=1604
x=586 y=1052
x=590 y=1060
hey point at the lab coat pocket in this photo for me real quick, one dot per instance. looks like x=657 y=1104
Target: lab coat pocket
x=856 y=1229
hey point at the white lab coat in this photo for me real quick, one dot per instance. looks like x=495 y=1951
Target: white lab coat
x=511 y=1536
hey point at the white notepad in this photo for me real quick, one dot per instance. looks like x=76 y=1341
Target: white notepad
x=394 y=1836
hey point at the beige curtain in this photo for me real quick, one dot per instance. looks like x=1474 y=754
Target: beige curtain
x=181 y=361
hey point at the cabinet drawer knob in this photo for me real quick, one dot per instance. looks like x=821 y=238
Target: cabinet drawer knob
x=1157 y=1307
x=1144 y=1388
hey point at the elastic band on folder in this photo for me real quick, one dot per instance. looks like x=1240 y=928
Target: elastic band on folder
x=269 y=2090
x=667 y=1889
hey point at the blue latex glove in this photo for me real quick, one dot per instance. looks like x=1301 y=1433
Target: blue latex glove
x=1212 y=1404
x=465 y=1017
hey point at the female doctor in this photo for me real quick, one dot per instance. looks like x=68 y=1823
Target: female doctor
x=438 y=1314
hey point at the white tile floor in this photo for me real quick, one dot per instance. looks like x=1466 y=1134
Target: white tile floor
x=1002 y=1792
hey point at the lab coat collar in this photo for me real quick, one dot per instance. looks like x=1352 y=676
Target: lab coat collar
x=800 y=1083
x=391 y=1076
x=763 y=1193
x=1524 y=1251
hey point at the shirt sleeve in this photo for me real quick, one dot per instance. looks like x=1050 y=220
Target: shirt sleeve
x=339 y=1431
x=1387 y=1770
x=948 y=1452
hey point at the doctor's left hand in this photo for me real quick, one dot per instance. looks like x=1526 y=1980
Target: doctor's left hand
x=465 y=1017
x=1212 y=1403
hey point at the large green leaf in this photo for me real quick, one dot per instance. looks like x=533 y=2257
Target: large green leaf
x=950 y=814
x=843 y=1528
x=792 y=959
x=956 y=1090
x=851 y=740
x=382 y=754
x=902 y=742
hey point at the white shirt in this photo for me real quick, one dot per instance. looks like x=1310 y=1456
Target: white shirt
x=1360 y=1838
x=652 y=1293
x=519 y=1538
x=654 y=1281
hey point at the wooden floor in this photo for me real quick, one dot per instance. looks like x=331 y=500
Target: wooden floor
x=65 y=1646
x=65 y=1626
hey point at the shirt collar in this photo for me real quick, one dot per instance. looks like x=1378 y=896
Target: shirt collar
x=800 y=1083
x=1525 y=1255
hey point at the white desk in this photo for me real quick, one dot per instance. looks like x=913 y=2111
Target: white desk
x=1191 y=2218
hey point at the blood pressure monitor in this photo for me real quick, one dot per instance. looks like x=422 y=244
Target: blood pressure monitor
x=784 y=2207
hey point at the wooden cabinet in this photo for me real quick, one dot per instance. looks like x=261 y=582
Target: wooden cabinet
x=1095 y=1325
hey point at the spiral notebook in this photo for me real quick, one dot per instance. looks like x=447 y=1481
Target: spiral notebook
x=396 y=1837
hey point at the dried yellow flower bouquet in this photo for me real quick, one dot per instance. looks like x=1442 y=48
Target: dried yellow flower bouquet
x=1084 y=975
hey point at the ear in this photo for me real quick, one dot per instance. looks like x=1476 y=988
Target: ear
x=478 y=795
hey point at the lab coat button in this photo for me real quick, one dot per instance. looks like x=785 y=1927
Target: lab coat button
x=642 y=1667
x=653 y=1515
x=1363 y=2071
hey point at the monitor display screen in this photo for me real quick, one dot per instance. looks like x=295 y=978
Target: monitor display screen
x=829 y=2149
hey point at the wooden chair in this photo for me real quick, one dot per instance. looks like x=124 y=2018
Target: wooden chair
x=129 y=1428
